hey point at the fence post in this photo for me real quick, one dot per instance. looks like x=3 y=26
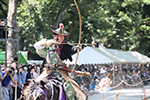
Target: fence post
x=117 y=96
x=103 y=95
x=15 y=92
x=144 y=93
x=122 y=89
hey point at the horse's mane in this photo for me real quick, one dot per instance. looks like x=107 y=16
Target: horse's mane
x=33 y=84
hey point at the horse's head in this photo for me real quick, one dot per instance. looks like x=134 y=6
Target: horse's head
x=38 y=91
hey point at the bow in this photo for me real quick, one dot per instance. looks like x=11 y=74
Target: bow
x=79 y=36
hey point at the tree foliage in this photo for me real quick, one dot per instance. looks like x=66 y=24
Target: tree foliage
x=118 y=24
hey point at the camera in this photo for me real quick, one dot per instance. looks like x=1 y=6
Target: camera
x=10 y=71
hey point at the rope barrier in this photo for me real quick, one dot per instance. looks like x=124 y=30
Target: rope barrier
x=147 y=79
x=132 y=85
x=123 y=81
x=117 y=85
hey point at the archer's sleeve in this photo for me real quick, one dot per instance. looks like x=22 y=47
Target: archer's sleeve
x=42 y=50
x=37 y=45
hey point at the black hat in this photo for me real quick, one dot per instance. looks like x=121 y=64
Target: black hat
x=60 y=31
x=31 y=68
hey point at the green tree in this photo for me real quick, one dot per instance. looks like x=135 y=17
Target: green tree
x=118 y=24
x=36 y=18
x=124 y=25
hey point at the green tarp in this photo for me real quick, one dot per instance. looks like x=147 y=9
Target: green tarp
x=22 y=57
x=2 y=57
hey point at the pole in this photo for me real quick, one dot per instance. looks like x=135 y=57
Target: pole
x=5 y=46
x=15 y=92
x=122 y=89
x=103 y=95
x=113 y=74
x=117 y=96
x=144 y=93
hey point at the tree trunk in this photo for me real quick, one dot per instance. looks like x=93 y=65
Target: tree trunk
x=59 y=16
x=21 y=43
x=11 y=23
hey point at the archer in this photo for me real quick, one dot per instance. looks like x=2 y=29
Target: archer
x=54 y=50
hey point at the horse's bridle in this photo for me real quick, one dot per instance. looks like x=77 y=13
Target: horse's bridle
x=42 y=91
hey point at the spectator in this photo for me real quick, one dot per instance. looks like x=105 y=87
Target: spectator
x=19 y=83
x=24 y=73
x=38 y=72
x=2 y=69
x=7 y=77
x=30 y=74
x=15 y=79
x=16 y=60
x=135 y=78
x=14 y=65
x=93 y=83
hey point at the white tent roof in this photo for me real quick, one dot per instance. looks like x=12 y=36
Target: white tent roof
x=128 y=56
x=138 y=57
x=89 y=56
x=92 y=55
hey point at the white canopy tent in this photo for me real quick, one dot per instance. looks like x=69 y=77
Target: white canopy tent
x=129 y=56
x=93 y=55
x=90 y=56
x=138 y=57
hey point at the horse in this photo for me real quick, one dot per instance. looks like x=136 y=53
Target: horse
x=43 y=88
x=50 y=90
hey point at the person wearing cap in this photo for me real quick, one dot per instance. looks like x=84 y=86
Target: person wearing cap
x=57 y=50
x=54 y=50
x=7 y=77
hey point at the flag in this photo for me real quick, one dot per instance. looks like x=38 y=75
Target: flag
x=2 y=57
x=22 y=55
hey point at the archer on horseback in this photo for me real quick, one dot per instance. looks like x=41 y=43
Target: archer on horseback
x=55 y=51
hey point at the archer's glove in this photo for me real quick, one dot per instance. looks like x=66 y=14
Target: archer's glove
x=43 y=42
x=49 y=43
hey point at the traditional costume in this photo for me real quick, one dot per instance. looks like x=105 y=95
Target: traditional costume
x=56 y=51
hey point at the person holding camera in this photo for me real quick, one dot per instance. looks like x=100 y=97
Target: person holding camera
x=7 y=77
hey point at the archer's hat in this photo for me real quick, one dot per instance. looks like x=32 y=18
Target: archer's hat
x=60 y=30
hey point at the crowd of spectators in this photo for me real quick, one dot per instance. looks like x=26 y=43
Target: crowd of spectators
x=132 y=74
x=17 y=76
